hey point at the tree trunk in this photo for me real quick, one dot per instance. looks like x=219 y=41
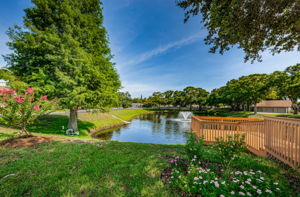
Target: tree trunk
x=73 y=120
x=24 y=131
x=295 y=107
x=255 y=108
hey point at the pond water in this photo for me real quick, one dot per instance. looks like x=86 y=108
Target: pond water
x=157 y=128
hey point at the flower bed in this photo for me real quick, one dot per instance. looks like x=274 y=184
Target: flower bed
x=196 y=178
x=222 y=170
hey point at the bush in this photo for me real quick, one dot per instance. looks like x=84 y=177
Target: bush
x=198 y=180
x=21 y=110
x=230 y=148
x=194 y=146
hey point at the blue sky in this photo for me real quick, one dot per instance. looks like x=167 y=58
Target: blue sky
x=155 y=51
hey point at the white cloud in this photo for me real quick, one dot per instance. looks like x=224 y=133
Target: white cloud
x=146 y=89
x=162 y=49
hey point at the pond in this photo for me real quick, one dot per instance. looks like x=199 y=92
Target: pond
x=157 y=128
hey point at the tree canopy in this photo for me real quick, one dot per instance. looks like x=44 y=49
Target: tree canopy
x=287 y=84
x=239 y=94
x=63 y=51
x=253 y=26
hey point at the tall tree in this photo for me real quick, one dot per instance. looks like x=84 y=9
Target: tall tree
x=125 y=100
x=293 y=86
x=201 y=97
x=168 y=97
x=193 y=95
x=189 y=96
x=63 y=50
x=178 y=99
x=287 y=84
x=256 y=88
x=253 y=26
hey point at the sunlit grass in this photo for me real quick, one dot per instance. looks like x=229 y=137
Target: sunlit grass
x=102 y=169
x=88 y=122
x=110 y=169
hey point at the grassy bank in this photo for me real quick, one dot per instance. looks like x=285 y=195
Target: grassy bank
x=54 y=124
x=102 y=169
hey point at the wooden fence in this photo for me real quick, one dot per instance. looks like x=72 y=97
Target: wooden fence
x=279 y=137
x=283 y=139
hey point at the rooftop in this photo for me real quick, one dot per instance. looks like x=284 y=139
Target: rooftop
x=275 y=103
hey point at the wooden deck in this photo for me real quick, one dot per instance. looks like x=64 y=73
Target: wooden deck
x=279 y=137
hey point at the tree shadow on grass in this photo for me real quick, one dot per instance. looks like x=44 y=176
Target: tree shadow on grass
x=57 y=124
x=4 y=136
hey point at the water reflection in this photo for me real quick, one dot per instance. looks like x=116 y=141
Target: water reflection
x=158 y=128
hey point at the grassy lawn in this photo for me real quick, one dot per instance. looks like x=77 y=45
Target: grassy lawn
x=53 y=124
x=102 y=169
x=60 y=169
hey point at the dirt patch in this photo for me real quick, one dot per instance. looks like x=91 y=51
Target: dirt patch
x=24 y=141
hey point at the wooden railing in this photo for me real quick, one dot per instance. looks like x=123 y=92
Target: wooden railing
x=225 y=119
x=279 y=137
x=255 y=136
x=283 y=139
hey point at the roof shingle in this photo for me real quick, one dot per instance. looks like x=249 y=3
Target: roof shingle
x=275 y=103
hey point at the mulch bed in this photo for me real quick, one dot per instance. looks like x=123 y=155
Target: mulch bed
x=24 y=141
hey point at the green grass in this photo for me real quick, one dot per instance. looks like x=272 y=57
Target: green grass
x=53 y=124
x=102 y=169
x=112 y=169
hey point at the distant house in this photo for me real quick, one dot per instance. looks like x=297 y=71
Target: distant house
x=274 y=106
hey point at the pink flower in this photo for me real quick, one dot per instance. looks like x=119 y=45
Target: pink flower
x=242 y=193
x=36 y=107
x=6 y=98
x=19 y=99
x=268 y=191
x=12 y=92
x=29 y=91
x=44 y=97
x=217 y=184
x=259 y=191
x=7 y=91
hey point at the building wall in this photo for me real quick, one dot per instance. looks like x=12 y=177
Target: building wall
x=273 y=109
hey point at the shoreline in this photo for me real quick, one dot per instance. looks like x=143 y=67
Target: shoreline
x=104 y=129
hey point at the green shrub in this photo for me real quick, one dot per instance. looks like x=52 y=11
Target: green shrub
x=230 y=148
x=194 y=146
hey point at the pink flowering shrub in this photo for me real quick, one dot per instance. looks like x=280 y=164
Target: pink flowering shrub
x=21 y=110
x=197 y=179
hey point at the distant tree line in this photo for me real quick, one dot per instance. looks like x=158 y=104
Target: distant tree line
x=239 y=94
